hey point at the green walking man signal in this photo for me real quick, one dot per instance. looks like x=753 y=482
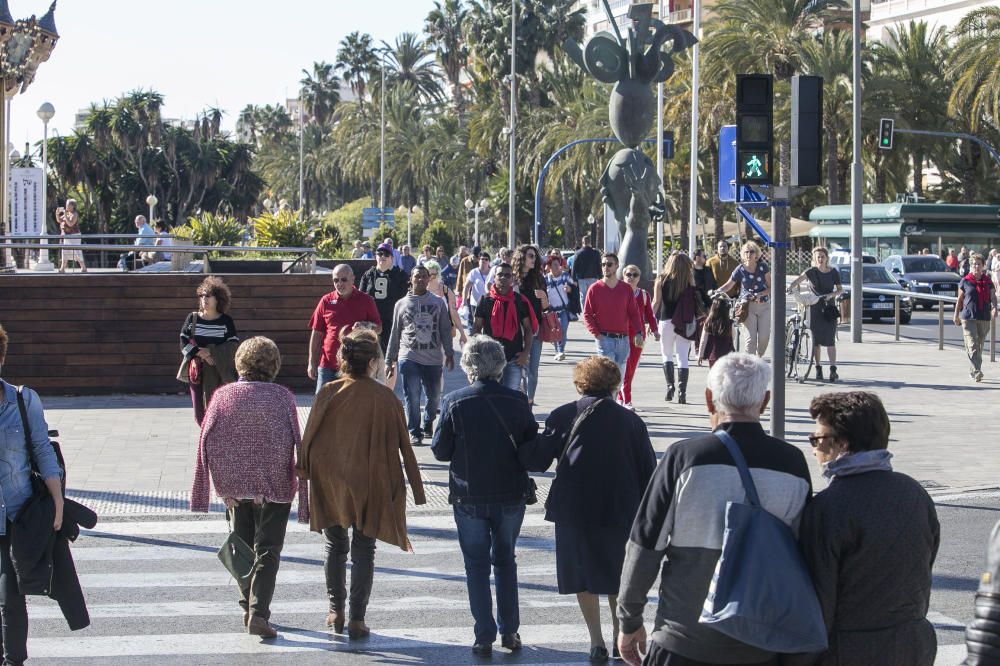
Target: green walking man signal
x=885 y=133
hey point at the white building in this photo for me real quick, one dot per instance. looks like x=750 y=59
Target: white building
x=941 y=13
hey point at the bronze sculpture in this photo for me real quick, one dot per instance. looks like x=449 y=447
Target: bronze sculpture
x=630 y=185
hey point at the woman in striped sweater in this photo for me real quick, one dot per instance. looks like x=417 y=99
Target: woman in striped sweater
x=207 y=328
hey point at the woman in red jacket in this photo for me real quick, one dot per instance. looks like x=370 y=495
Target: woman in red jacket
x=644 y=303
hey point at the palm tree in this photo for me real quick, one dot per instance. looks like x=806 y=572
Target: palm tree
x=975 y=67
x=908 y=74
x=444 y=27
x=410 y=62
x=356 y=61
x=320 y=92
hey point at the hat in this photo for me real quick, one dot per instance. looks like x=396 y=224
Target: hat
x=454 y=261
x=387 y=241
x=476 y=250
x=385 y=247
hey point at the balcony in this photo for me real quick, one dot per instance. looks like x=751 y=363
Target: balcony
x=681 y=16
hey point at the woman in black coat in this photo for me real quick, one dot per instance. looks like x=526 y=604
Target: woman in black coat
x=869 y=540
x=605 y=461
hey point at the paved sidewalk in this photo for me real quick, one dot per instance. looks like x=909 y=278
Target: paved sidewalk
x=143 y=447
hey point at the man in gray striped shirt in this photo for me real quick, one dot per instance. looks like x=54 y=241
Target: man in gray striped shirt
x=682 y=518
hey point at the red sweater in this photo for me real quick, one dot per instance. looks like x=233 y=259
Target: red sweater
x=249 y=439
x=610 y=310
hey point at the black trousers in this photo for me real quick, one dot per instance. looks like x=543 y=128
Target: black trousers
x=362 y=549
x=263 y=527
x=658 y=656
x=14 y=611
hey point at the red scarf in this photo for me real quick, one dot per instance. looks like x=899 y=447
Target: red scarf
x=983 y=286
x=503 y=318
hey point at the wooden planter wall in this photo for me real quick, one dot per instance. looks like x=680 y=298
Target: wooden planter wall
x=105 y=333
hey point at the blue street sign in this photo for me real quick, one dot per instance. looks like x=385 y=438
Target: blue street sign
x=727 y=163
x=371 y=218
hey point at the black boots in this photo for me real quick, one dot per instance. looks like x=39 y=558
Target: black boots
x=833 y=374
x=682 y=392
x=668 y=374
x=819 y=373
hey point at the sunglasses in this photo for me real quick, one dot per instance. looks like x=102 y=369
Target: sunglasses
x=631 y=275
x=814 y=440
x=608 y=263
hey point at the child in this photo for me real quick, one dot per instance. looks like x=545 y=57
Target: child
x=717 y=336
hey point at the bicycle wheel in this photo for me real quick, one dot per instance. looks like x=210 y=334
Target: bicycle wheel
x=791 y=344
x=804 y=355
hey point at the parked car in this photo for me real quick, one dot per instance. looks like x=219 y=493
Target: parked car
x=924 y=274
x=842 y=257
x=877 y=306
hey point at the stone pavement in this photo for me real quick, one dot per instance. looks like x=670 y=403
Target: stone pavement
x=142 y=448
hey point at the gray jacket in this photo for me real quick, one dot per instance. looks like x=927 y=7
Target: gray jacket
x=421 y=330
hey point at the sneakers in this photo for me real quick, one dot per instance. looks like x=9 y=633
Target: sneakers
x=511 y=641
x=628 y=406
x=978 y=376
x=482 y=649
x=416 y=440
x=559 y=356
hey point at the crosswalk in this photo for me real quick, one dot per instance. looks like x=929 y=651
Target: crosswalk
x=157 y=594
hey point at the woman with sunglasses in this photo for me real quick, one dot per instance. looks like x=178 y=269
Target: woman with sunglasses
x=869 y=540
x=529 y=282
x=208 y=345
x=754 y=279
x=643 y=301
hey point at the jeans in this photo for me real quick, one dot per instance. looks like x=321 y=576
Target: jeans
x=415 y=375
x=14 y=611
x=512 y=375
x=564 y=325
x=617 y=349
x=262 y=526
x=362 y=549
x=531 y=373
x=671 y=343
x=325 y=375
x=487 y=534
x=975 y=332
x=757 y=328
x=584 y=285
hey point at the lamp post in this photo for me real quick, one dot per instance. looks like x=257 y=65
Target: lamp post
x=45 y=112
x=512 y=194
x=381 y=158
x=302 y=152
x=470 y=205
x=151 y=201
x=695 y=84
x=409 y=229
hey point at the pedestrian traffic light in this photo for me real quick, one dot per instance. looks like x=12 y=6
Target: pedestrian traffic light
x=754 y=129
x=807 y=131
x=885 y=133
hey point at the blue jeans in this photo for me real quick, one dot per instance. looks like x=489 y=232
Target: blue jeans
x=617 y=349
x=564 y=325
x=487 y=534
x=531 y=372
x=512 y=375
x=415 y=376
x=584 y=285
x=324 y=375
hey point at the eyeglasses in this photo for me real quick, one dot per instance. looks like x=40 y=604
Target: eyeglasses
x=814 y=440
x=341 y=279
x=382 y=254
x=608 y=263
x=631 y=275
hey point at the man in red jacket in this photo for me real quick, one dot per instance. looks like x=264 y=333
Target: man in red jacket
x=611 y=315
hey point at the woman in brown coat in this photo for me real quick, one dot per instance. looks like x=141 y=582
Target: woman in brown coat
x=351 y=456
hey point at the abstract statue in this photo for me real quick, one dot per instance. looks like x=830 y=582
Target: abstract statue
x=630 y=184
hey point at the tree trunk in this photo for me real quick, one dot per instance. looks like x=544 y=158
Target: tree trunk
x=918 y=173
x=971 y=156
x=832 y=168
x=880 y=180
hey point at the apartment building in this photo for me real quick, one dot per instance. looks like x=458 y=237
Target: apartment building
x=943 y=13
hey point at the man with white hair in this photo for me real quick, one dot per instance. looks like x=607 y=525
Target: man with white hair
x=682 y=517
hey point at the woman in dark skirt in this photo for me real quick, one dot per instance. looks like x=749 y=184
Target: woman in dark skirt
x=825 y=281
x=599 y=483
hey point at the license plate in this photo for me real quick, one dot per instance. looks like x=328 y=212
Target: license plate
x=882 y=306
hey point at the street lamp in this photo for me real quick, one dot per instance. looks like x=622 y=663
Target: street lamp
x=476 y=209
x=381 y=159
x=512 y=129
x=151 y=201
x=24 y=45
x=302 y=152
x=409 y=234
x=45 y=113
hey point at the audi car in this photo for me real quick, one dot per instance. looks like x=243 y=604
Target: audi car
x=924 y=274
x=877 y=306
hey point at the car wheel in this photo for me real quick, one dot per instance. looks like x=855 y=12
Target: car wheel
x=876 y=319
x=904 y=317
x=927 y=306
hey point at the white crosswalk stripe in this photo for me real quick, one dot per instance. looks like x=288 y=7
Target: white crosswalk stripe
x=158 y=595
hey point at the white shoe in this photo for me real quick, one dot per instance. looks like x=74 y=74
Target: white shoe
x=628 y=406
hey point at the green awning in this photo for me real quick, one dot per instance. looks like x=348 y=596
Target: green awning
x=868 y=230
x=950 y=213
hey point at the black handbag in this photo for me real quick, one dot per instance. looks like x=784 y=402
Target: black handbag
x=38 y=487
x=532 y=497
x=237 y=555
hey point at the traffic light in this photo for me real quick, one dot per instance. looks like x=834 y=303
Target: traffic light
x=807 y=131
x=754 y=129
x=885 y=133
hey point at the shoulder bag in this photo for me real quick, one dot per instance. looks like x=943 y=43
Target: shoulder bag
x=549 y=328
x=761 y=593
x=532 y=497
x=577 y=422
x=237 y=555
x=38 y=487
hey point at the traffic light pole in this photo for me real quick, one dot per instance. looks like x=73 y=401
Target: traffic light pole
x=955 y=135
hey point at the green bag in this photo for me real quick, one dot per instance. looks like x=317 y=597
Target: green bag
x=237 y=556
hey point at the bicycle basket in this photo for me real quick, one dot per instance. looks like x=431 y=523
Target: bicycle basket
x=805 y=295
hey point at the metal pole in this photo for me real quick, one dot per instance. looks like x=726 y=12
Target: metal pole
x=940 y=325
x=896 y=315
x=659 y=161
x=778 y=342
x=857 y=283
x=511 y=194
x=475 y=238
x=302 y=153
x=381 y=159
x=5 y=175
x=695 y=82
x=44 y=264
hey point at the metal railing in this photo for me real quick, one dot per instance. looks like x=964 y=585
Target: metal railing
x=941 y=300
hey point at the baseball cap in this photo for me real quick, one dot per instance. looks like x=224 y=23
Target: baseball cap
x=385 y=248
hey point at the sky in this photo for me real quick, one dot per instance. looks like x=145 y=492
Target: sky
x=196 y=53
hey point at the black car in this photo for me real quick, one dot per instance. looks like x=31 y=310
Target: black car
x=877 y=306
x=924 y=274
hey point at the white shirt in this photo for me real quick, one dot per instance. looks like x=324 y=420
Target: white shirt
x=479 y=285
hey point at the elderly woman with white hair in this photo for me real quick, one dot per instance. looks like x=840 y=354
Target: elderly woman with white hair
x=682 y=518
x=479 y=433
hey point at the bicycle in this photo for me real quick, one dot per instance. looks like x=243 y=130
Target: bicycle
x=798 y=337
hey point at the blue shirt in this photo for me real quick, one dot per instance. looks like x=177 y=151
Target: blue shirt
x=751 y=284
x=148 y=236
x=15 y=473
